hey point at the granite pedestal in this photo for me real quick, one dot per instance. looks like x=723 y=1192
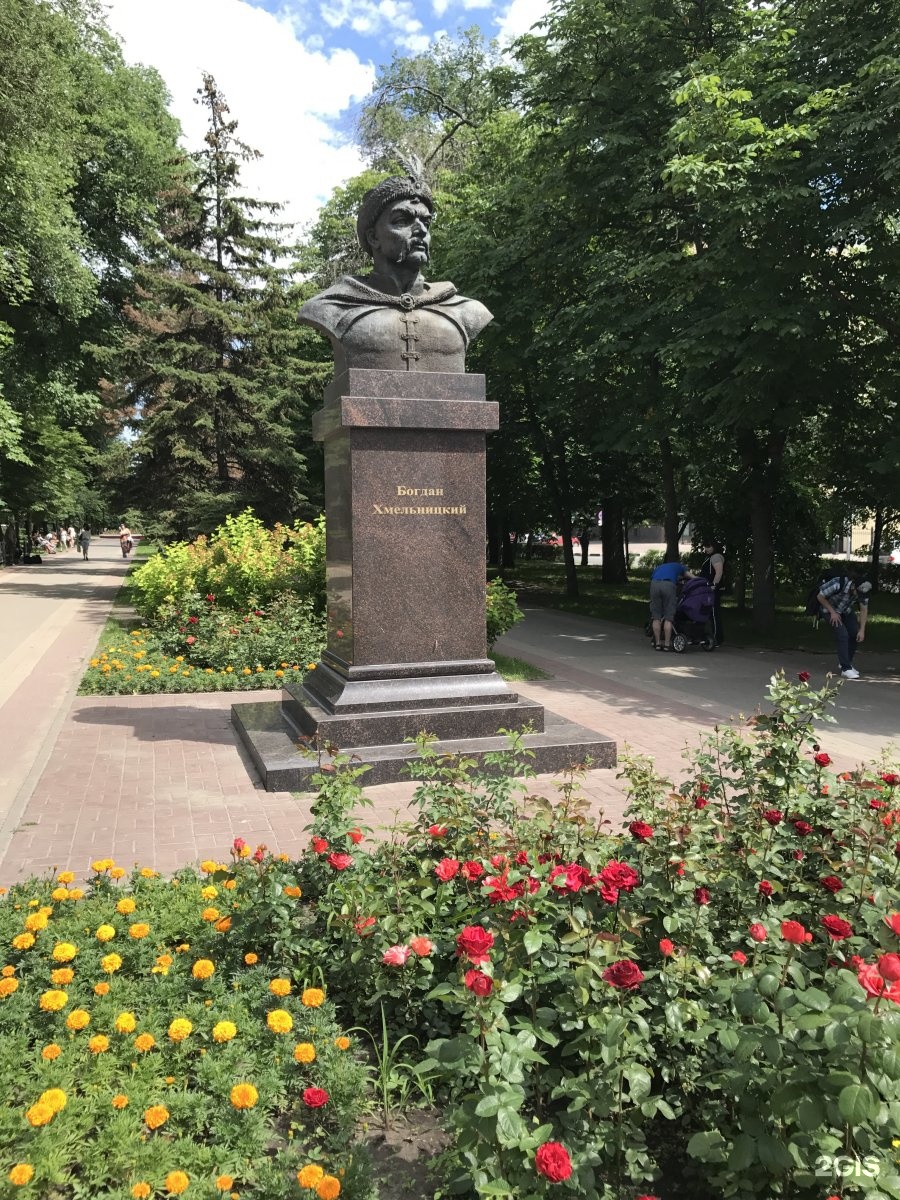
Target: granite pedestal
x=405 y=563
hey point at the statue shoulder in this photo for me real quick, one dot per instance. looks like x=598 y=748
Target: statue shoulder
x=324 y=310
x=471 y=314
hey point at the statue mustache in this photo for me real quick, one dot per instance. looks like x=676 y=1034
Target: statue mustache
x=404 y=254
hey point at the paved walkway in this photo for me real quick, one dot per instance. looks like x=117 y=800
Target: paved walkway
x=161 y=780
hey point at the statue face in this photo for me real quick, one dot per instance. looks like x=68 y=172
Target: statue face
x=402 y=233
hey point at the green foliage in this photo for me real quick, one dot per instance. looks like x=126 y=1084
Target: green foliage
x=135 y=1102
x=695 y=1007
x=502 y=610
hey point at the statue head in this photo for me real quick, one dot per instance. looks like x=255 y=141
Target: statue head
x=395 y=218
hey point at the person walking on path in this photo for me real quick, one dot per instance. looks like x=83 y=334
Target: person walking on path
x=84 y=541
x=840 y=597
x=125 y=540
x=713 y=569
x=664 y=601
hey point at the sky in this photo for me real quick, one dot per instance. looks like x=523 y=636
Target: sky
x=293 y=71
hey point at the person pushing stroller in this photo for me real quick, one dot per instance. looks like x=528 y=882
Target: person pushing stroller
x=664 y=600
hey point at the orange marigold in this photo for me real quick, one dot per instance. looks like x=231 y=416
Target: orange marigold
x=251 y=959
x=312 y=997
x=231 y=884
x=138 y=931
x=101 y=988
x=144 y=1042
x=148 y=873
x=98 y=1044
x=244 y=1095
x=117 y=873
x=51 y=1051
x=210 y=914
x=141 y=1190
x=61 y=975
x=177 y=1182
x=225 y=1183
x=8 y=986
x=39 y=1114
x=223 y=925
x=203 y=968
x=155 y=1116
x=280 y=987
x=7 y=971
x=293 y=891
x=78 y=1019
x=328 y=1188
x=66 y=877
x=21 y=1174
x=76 y=893
x=310 y=1175
x=120 y=1100
x=23 y=941
x=304 y=1052
x=342 y=1043
x=59 y=893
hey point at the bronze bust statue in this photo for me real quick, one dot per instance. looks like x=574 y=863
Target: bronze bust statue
x=391 y=319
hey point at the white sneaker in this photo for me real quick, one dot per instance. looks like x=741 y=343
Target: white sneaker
x=850 y=673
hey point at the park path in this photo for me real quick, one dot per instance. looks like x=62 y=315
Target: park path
x=162 y=781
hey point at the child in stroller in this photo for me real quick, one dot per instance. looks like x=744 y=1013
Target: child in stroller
x=693 y=617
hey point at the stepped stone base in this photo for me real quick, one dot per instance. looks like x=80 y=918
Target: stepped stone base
x=281 y=739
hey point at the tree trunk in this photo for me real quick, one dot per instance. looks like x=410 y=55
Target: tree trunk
x=763 y=463
x=877 y=535
x=670 y=500
x=615 y=564
x=585 y=536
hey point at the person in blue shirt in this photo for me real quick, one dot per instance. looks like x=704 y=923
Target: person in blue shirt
x=664 y=601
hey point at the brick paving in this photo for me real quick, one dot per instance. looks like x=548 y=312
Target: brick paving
x=162 y=781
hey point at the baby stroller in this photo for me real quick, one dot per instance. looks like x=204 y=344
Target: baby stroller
x=693 y=626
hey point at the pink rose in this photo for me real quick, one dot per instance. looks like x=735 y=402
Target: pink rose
x=340 y=862
x=422 y=946
x=396 y=956
x=758 y=932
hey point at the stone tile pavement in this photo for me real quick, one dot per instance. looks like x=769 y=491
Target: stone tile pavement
x=162 y=781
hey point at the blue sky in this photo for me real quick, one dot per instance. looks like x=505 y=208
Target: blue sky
x=294 y=71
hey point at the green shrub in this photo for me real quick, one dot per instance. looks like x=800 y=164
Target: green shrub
x=651 y=559
x=501 y=609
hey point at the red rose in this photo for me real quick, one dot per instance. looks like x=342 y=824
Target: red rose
x=837 y=928
x=238 y=845
x=803 y=676
x=190 y=640
x=822 y=759
x=803 y=828
x=701 y=895
x=623 y=974
x=361 y=924
x=553 y=1162
x=739 y=957
x=471 y=870
x=479 y=983
x=500 y=890
x=773 y=816
x=891 y=778
x=319 y=845
x=446 y=869
x=793 y=931
x=893 y=922
x=831 y=883
x=340 y=862
x=315 y=1097
x=474 y=943
x=872 y=803
x=522 y=858
x=210 y=599
x=355 y=836
x=571 y=878
x=700 y=802
x=797 y=856
x=758 y=932
x=870 y=978
x=437 y=831
x=666 y=948
x=897 y=850
x=259 y=854
x=193 y=620
x=619 y=875
x=640 y=830
x=765 y=888
x=889 y=966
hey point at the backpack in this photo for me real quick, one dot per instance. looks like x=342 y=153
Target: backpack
x=813 y=608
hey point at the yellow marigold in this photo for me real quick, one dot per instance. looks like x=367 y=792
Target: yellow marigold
x=64 y=952
x=76 y=893
x=208 y=866
x=125 y=906
x=78 y=1019
x=126 y=1022
x=179 y=1029
x=61 y=976
x=117 y=873
x=183 y=948
x=164 y=960
x=39 y=1114
x=141 y=1190
x=342 y=1043
x=279 y=1021
x=177 y=1182
x=101 y=864
x=148 y=873
x=105 y=933
x=312 y=997
x=223 y=925
x=210 y=914
x=59 y=894
x=110 y=963
x=280 y=987
x=328 y=1188
x=66 y=877
x=8 y=986
x=120 y=1100
x=304 y=1052
x=155 y=1116
x=293 y=891
x=209 y=892
x=231 y=884
x=203 y=968
x=101 y=988
x=7 y=971
x=138 y=931
x=144 y=1042
x=55 y=1097
x=36 y=921
x=225 y=1183
x=98 y=1044
x=51 y=1051
x=53 y=1000
x=21 y=1174
x=244 y=1095
x=46 y=909
x=23 y=941
x=310 y=1175
x=251 y=959
x=224 y=1031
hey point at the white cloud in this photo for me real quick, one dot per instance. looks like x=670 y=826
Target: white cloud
x=374 y=18
x=439 y=7
x=282 y=93
x=520 y=16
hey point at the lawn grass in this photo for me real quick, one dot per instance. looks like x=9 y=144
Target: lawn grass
x=543 y=584
x=515 y=670
x=122 y=617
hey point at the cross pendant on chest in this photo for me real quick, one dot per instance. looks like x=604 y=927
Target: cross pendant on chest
x=410 y=337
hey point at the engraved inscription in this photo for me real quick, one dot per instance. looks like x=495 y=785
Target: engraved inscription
x=408 y=491
x=421 y=510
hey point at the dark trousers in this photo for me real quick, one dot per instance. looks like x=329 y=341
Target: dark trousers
x=845 y=636
x=717 y=619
